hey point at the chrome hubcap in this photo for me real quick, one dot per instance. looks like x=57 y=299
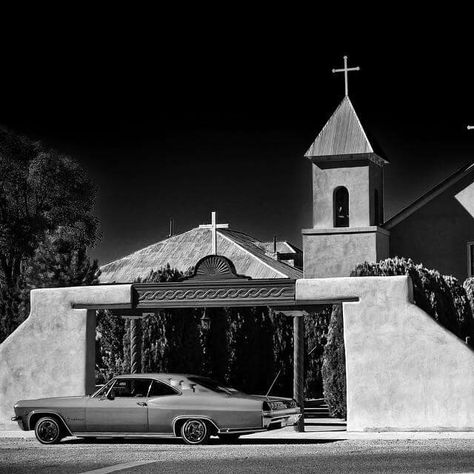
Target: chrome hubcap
x=48 y=431
x=195 y=431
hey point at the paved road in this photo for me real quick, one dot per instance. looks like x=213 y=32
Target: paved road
x=248 y=456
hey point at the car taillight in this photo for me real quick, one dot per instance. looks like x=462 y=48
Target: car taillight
x=273 y=405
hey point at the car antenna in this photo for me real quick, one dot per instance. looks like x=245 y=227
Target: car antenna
x=273 y=383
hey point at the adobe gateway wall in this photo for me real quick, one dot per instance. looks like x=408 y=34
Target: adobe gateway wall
x=405 y=372
x=52 y=353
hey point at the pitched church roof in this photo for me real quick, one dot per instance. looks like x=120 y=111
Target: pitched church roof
x=343 y=136
x=429 y=196
x=249 y=255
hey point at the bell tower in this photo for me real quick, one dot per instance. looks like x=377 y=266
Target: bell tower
x=347 y=198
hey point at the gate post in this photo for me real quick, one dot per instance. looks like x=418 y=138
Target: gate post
x=298 y=366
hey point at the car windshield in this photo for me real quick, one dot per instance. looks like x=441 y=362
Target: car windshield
x=213 y=385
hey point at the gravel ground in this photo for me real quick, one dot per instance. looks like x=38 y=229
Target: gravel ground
x=250 y=455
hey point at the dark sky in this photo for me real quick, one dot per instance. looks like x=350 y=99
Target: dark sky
x=176 y=117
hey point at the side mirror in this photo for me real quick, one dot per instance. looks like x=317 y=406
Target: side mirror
x=111 y=395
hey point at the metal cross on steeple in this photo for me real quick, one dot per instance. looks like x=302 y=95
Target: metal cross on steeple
x=214 y=226
x=345 y=70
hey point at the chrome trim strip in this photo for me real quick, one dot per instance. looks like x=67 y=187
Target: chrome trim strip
x=248 y=431
x=196 y=417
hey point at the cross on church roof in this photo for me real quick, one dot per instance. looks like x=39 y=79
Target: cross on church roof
x=214 y=226
x=345 y=70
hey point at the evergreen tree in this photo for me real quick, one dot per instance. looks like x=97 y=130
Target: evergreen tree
x=46 y=224
x=334 y=366
x=316 y=331
x=171 y=339
x=252 y=348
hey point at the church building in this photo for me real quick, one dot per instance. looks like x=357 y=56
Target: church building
x=349 y=225
x=251 y=257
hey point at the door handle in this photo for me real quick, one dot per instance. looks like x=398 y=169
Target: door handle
x=142 y=404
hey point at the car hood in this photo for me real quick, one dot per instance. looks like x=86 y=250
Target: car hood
x=52 y=402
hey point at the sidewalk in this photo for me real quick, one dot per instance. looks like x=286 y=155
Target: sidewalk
x=318 y=428
x=335 y=429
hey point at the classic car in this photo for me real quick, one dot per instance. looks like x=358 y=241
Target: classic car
x=163 y=405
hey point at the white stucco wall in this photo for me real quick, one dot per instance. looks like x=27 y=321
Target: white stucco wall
x=405 y=372
x=336 y=252
x=52 y=352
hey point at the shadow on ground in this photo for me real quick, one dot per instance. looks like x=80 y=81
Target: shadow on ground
x=177 y=441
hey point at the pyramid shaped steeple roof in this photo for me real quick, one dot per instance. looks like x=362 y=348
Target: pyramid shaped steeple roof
x=343 y=138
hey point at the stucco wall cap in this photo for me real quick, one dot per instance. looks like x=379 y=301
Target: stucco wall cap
x=398 y=287
x=86 y=295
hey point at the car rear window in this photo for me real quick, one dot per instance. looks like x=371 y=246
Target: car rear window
x=159 y=389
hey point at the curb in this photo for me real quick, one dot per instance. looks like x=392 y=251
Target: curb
x=316 y=435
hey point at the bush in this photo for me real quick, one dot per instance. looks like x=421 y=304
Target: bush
x=468 y=286
x=316 y=333
x=442 y=297
x=245 y=347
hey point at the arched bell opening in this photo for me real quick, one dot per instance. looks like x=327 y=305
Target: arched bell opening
x=341 y=207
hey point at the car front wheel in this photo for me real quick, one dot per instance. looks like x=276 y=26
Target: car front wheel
x=195 y=432
x=48 y=430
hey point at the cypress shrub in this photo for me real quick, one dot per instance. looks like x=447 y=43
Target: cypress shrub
x=442 y=297
x=245 y=347
x=468 y=286
x=282 y=340
x=334 y=366
x=252 y=356
x=316 y=332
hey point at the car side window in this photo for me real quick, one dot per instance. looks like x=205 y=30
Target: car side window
x=131 y=388
x=159 y=389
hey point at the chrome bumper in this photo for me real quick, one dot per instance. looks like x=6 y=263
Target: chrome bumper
x=19 y=419
x=280 y=419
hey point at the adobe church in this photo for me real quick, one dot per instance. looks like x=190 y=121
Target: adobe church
x=392 y=346
x=349 y=228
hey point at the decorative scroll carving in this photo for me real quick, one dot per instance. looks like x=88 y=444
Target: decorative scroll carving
x=215 y=282
x=214 y=293
x=225 y=292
